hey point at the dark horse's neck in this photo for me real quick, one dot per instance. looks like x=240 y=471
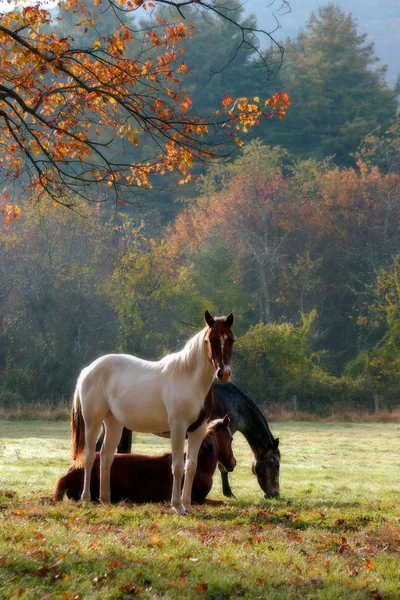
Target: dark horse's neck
x=245 y=416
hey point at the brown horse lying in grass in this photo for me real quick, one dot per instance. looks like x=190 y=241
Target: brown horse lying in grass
x=141 y=478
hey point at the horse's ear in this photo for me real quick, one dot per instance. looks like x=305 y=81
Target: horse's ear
x=275 y=444
x=226 y=421
x=229 y=320
x=209 y=319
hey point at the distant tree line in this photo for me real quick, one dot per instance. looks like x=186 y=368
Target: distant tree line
x=298 y=236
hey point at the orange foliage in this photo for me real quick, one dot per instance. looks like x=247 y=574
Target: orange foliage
x=347 y=207
x=63 y=107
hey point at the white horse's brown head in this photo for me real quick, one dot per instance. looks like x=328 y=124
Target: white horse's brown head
x=219 y=339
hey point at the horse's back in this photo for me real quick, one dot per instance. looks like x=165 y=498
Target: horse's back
x=134 y=477
x=228 y=401
x=132 y=388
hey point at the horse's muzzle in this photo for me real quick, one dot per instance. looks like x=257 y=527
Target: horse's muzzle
x=273 y=494
x=231 y=466
x=224 y=375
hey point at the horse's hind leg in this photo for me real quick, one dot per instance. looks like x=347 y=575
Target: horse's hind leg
x=113 y=429
x=194 y=442
x=91 y=433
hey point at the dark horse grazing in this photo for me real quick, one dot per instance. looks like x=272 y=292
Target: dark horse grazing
x=141 y=478
x=247 y=418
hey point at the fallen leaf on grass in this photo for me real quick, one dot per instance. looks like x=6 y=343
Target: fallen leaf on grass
x=365 y=550
x=201 y=587
x=131 y=589
x=115 y=564
x=375 y=595
x=180 y=583
x=156 y=541
x=46 y=570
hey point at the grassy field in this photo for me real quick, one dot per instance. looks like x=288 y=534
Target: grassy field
x=334 y=533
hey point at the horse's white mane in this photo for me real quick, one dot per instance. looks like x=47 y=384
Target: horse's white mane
x=187 y=358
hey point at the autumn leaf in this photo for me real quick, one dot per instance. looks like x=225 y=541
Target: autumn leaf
x=227 y=101
x=156 y=541
x=179 y=583
x=201 y=587
x=132 y=589
x=115 y=564
x=369 y=565
x=375 y=595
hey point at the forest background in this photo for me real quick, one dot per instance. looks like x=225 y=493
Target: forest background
x=297 y=235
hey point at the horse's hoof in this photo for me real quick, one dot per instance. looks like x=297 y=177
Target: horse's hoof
x=180 y=510
x=229 y=494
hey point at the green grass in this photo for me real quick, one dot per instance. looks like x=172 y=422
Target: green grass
x=333 y=534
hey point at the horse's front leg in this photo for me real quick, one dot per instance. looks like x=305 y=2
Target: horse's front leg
x=226 y=488
x=178 y=434
x=112 y=436
x=194 y=442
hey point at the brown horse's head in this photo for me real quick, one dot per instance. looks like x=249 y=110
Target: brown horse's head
x=266 y=469
x=224 y=439
x=219 y=339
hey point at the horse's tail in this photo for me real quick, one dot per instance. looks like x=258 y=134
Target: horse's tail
x=77 y=430
x=60 y=489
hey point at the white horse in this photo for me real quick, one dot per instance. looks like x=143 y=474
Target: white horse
x=173 y=394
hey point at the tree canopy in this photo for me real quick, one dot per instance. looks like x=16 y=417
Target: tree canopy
x=74 y=107
x=338 y=92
